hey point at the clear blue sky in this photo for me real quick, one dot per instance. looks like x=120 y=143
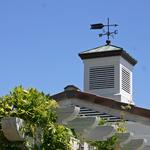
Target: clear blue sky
x=40 y=41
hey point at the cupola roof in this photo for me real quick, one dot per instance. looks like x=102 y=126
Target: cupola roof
x=107 y=51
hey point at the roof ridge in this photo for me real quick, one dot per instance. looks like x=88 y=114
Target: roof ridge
x=102 y=46
x=117 y=46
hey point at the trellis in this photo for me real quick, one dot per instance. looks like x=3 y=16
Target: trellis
x=87 y=128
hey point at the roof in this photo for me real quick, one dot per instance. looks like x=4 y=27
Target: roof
x=104 y=48
x=71 y=87
x=107 y=51
x=101 y=101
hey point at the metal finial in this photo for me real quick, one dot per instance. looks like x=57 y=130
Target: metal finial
x=108 y=33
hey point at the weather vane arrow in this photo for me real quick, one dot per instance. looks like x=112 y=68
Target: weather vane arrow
x=108 y=33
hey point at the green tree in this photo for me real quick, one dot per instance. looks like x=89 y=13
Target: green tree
x=37 y=110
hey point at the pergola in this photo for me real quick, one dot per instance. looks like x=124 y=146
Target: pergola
x=93 y=107
x=137 y=136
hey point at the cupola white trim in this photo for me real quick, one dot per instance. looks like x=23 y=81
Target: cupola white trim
x=108 y=72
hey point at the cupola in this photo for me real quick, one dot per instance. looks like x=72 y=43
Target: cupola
x=108 y=72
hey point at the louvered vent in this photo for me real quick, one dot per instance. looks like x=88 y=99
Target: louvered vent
x=101 y=77
x=126 y=80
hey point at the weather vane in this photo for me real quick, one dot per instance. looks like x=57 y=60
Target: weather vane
x=108 y=33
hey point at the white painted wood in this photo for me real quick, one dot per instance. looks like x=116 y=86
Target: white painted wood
x=135 y=144
x=146 y=147
x=83 y=124
x=87 y=127
x=124 y=138
x=100 y=133
x=103 y=109
x=114 y=93
x=66 y=114
x=140 y=131
x=11 y=128
x=137 y=128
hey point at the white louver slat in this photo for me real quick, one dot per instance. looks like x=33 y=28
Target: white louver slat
x=126 y=80
x=101 y=77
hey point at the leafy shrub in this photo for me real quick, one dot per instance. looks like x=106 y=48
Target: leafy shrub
x=38 y=110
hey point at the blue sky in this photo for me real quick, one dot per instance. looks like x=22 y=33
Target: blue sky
x=40 y=41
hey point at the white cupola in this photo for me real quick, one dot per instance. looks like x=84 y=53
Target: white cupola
x=108 y=72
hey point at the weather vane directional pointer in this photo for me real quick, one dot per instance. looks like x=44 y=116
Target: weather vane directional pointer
x=108 y=33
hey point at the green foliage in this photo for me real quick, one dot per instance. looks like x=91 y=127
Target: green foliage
x=29 y=105
x=38 y=110
x=126 y=107
x=56 y=138
x=109 y=144
x=120 y=126
x=102 y=122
